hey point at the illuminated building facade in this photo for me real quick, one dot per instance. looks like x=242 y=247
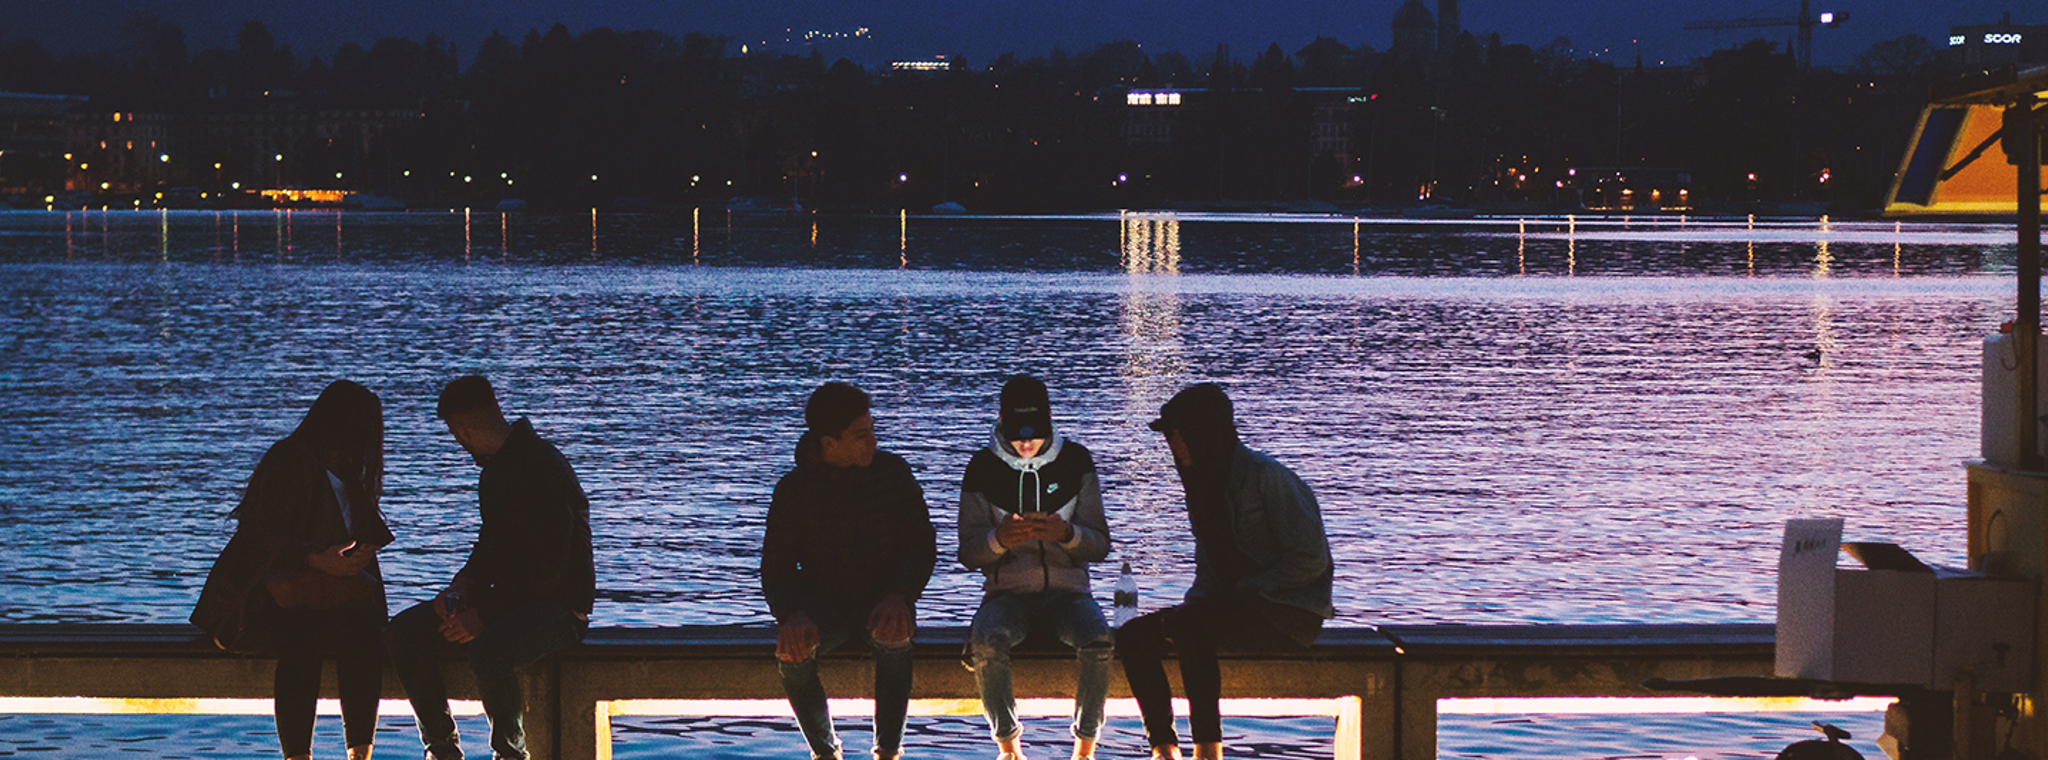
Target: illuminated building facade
x=1989 y=46
x=249 y=145
x=32 y=142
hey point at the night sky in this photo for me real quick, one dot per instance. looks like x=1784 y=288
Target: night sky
x=982 y=29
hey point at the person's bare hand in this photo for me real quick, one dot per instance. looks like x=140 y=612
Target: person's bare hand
x=1052 y=529
x=891 y=621
x=341 y=560
x=1016 y=529
x=796 y=639
x=462 y=625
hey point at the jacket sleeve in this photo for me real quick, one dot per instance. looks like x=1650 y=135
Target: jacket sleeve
x=921 y=540
x=781 y=579
x=978 y=547
x=1091 y=529
x=1302 y=550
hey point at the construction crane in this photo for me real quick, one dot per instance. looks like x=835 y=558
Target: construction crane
x=1806 y=21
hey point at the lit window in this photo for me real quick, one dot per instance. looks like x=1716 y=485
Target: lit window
x=1138 y=99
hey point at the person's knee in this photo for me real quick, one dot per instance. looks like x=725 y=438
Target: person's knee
x=1095 y=651
x=987 y=652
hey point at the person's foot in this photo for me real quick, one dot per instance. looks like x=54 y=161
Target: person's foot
x=1208 y=750
x=1009 y=756
x=1167 y=752
x=888 y=754
x=1084 y=749
x=359 y=753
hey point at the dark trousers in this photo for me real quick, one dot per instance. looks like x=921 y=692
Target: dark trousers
x=307 y=638
x=1196 y=631
x=514 y=635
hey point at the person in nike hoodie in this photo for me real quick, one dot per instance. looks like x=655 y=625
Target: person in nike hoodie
x=1031 y=521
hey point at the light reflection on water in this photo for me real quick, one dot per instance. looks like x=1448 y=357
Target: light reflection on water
x=1615 y=437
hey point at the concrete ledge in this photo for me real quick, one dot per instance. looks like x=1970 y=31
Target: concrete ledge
x=1393 y=676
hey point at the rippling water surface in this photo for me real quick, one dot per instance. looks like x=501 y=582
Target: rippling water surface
x=1541 y=420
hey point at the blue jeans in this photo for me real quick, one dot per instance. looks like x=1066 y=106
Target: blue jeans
x=514 y=636
x=1005 y=619
x=807 y=694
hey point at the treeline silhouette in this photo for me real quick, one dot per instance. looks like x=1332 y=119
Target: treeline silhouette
x=563 y=118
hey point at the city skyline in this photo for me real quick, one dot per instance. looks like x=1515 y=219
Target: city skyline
x=1605 y=29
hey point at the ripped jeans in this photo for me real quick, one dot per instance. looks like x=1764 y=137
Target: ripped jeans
x=1005 y=619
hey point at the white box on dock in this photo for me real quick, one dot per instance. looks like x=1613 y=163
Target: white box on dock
x=1898 y=621
x=1985 y=627
x=1998 y=439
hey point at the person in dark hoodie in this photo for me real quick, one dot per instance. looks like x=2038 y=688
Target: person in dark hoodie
x=527 y=588
x=1031 y=520
x=848 y=550
x=1262 y=571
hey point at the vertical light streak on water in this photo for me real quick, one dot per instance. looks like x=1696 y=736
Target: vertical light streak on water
x=277 y=235
x=696 y=233
x=466 y=247
x=1751 y=245
x=1823 y=260
x=1522 y=247
x=1571 y=246
x=814 y=234
x=1154 y=360
x=70 y=248
x=1354 y=247
x=163 y=236
x=593 y=230
x=337 y=235
x=903 y=238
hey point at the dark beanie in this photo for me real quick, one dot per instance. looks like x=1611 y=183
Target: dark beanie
x=1200 y=408
x=1026 y=410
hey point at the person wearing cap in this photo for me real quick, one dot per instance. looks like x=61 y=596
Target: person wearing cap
x=1031 y=521
x=848 y=549
x=1262 y=571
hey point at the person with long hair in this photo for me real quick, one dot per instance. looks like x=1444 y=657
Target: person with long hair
x=1262 y=571
x=312 y=528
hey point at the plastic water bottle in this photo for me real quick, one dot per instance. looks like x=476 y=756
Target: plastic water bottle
x=1126 y=596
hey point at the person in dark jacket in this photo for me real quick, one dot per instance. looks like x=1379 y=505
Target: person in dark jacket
x=311 y=510
x=527 y=588
x=1031 y=521
x=848 y=549
x=1262 y=571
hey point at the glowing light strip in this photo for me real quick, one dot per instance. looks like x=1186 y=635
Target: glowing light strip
x=202 y=706
x=779 y=708
x=1654 y=705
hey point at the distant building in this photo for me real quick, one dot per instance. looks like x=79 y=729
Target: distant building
x=1989 y=46
x=927 y=65
x=1414 y=32
x=266 y=142
x=1633 y=188
x=32 y=141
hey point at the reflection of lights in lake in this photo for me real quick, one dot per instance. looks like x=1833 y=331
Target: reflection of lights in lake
x=1151 y=245
x=696 y=233
x=1823 y=261
x=1153 y=355
x=465 y=233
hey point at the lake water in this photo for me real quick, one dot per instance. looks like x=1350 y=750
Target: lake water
x=1566 y=420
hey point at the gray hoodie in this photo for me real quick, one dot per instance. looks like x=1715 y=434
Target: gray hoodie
x=1059 y=479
